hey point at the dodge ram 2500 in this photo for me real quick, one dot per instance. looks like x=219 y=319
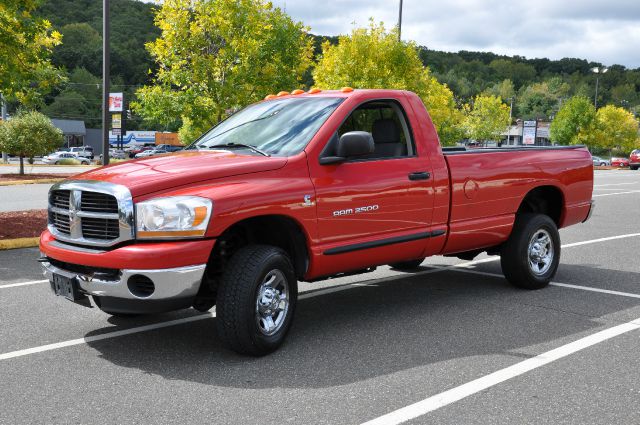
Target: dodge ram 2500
x=301 y=188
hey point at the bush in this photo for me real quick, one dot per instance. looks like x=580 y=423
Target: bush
x=112 y=161
x=68 y=161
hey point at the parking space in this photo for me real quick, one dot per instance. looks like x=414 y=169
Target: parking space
x=453 y=341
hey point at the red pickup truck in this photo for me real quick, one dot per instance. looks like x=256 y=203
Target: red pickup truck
x=304 y=187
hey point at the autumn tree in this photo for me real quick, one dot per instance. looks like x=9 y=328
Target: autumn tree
x=574 y=122
x=374 y=58
x=26 y=44
x=29 y=134
x=615 y=128
x=214 y=57
x=486 y=118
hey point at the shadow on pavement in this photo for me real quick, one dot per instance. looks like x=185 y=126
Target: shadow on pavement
x=364 y=332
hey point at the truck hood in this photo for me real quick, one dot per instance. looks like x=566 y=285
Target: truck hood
x=162 y=172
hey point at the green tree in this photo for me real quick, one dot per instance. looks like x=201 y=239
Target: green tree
x=26 y=72
x=615 y=128
x=216 y=56
x=574 y=122
x=82 y=48
x=517 y=72
x=29 y=134
x=374 y=58
x=486 y=119
x=541 y=100
x=504 y=90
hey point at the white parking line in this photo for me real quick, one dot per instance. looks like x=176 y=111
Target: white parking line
x=612 y=184
x=617 y=193
x=108 y=335
x=303 y=295
x=13 y=285
x=563 y=285
x=465 y=390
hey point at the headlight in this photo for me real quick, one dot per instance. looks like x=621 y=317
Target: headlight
x=173 y=217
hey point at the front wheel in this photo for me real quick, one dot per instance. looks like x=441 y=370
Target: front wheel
x=256 y=300
x=531 y=255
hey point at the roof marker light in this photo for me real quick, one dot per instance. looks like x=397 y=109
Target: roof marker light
x=314 y=91
x=271 y=96
x=282 y=93
x=346 y=89
x=296 y=92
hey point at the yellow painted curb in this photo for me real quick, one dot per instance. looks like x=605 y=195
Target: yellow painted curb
x=41 y=181
x=19 y=243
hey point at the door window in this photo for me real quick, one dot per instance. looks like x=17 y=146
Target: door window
x=386 y=122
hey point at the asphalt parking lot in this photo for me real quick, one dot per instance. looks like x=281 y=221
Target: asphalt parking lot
x=450 y=344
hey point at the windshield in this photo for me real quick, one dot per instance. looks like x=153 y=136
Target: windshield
x=278 y=127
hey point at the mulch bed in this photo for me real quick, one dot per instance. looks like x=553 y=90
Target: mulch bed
x=14 y=177
x=22 y=224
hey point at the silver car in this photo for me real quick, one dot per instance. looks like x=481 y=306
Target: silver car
x=597 y=161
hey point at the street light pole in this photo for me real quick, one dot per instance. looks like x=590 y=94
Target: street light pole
x=400 y=23
x=598 y=71
x=105 y=82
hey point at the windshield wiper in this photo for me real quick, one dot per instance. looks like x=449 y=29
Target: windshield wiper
x=239 y=145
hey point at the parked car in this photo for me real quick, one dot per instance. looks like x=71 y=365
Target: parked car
x=150 y=152
x=597 y=161
x=619 y=162
x=83 y=151
x=56 y=157
x=334 y=184
x=115 y=154
x=634 y=159
x=136 y=150
x=170 y=148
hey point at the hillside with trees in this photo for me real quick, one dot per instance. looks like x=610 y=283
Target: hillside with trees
x=538 y=87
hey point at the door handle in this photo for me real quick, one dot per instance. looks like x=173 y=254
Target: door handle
x=419 y=175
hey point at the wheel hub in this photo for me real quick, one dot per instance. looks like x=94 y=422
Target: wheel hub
x=272 y=302
x=540 y=252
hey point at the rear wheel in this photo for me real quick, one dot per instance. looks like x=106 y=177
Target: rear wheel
x=633 y=167
x=256 y=300
x=407 y=265
x=531 y=255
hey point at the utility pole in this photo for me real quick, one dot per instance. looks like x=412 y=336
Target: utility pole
x=5 y=157
x=105 y=82
x=400 y=23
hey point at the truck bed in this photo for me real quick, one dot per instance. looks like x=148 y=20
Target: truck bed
x=488 y=186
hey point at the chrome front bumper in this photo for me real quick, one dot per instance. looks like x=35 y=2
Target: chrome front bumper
x=177 y=283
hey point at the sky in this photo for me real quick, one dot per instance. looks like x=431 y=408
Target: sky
x=605 y=31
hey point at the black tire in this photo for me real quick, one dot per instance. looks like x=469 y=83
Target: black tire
x=633 y=167
x=602 y=164
x=407 y=265
x=515 y=253
x=237 y=317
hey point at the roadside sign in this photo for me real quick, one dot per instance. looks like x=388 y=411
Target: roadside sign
x=116 y=121
x=116 y=132
x=529 y=130
x=116 y=101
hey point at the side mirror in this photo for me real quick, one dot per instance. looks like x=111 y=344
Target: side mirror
x=350 y=145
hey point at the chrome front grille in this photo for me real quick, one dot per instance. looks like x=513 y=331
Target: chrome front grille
x=91 y=213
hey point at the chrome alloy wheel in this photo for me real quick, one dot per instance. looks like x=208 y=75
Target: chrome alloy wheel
x=540 y=252
x=272 y=302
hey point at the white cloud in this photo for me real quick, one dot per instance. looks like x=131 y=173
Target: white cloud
x=596 y=30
